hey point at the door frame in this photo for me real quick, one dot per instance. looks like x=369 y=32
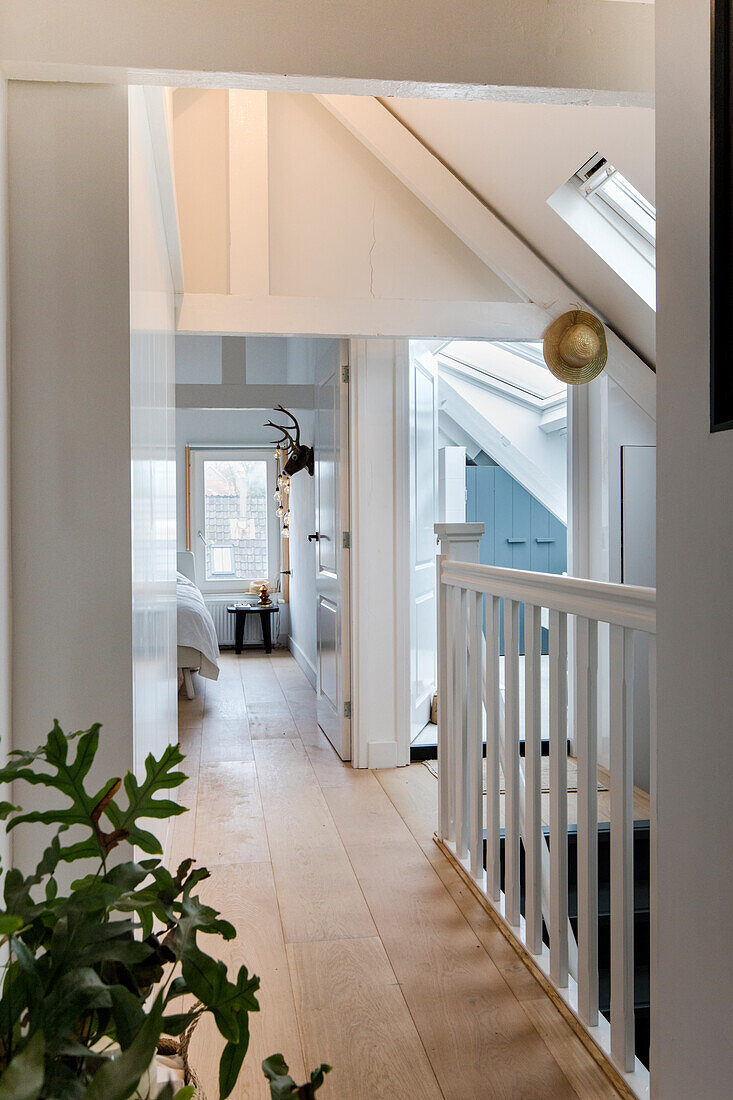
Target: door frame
x=344 y=625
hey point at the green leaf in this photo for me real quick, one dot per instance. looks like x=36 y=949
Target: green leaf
x=231 y=1061
x=76 y=995
x=23 y=1079
x=117 y=1079
x=282 y=1085
x=229 y=1002
x=9 y=924
x=127 y=1014
x=159 y=775
x=177 y=1022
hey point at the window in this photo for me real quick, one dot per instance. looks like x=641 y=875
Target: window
x=620 y=203
x=512 y=368
x=615 y=220
x=236 y=535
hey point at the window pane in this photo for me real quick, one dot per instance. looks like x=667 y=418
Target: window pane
x=235 y=519
x=630 y=203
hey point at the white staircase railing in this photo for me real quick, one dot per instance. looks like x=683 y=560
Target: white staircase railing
x=471 y=712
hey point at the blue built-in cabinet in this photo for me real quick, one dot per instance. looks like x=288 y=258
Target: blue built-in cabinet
x=520 y=532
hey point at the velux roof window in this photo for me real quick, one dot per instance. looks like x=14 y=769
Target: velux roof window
x=620 y=203
x=615 y=219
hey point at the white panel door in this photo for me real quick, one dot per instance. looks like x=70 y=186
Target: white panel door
x=423 y=515
x=332 y=558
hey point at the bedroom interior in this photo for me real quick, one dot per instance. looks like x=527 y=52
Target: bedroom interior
x=192 y=238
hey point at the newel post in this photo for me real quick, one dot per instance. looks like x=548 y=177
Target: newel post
x=456 y=542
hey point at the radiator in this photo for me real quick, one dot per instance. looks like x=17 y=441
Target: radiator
x=224 y=623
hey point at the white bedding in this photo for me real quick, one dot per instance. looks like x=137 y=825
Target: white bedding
x=196 y=628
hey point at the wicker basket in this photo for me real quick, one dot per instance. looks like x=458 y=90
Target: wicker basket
x=171 y=1046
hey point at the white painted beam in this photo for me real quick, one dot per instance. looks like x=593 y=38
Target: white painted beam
x=275 y=316
x=244 y=396
x=161 y=136
x=508 y=49
x=249 y=217
x=480 y=229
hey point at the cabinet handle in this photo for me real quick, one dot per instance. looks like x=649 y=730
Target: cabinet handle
x=516 y=540
x=544 y=540
x=314 y=538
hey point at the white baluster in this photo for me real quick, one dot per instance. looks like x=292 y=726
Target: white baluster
x=533 y=839
x=444 y=706
x=586 y=734
x=475 y=738
x=622 y=851
x=558 y=799
x=511 y=760
x=459 y=742
x=448 y=761
x=493 y=735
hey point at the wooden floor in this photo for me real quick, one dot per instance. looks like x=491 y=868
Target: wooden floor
x=372 y=954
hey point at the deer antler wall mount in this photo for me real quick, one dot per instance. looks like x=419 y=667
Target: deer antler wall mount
x=299 y=457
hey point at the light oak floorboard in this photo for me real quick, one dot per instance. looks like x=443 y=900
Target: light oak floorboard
x=319 y=895
x=226 y=739
x=229 y=822
x=407 y=789
x=353 y=1015
x=474 y=1030
x=245 y=893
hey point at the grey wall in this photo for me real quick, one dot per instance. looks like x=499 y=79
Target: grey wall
x=691 y=1049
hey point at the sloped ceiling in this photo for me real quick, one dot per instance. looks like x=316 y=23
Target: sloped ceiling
x=514 y=156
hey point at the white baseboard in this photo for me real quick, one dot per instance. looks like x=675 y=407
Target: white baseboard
x=382 y=754
x=309 y=669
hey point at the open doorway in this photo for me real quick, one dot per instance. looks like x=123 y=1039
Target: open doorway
x=247 y=519
x=488 y=429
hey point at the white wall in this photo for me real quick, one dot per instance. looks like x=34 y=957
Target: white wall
x=70 y=419
x=691 y=1050
x=513 y=42
x=152 y=429
x=5 y=635
x=339 y=225
x=379 y=549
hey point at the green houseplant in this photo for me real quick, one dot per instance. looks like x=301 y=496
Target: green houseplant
x=94 y=976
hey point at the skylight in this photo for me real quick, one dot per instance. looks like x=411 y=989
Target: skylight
x=620 y=203
x=613 y=217
x=516 y=367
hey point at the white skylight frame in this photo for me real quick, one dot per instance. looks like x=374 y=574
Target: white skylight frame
x=455 y=357
x=621 y=204
x=614 y=219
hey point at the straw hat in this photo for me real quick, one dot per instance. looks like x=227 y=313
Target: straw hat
x=575 y=347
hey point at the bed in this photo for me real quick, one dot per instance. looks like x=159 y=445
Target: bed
x=198 y=648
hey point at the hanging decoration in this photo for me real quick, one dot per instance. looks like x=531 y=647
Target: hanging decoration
x=296 y=455
x=291 y=456
x=574 y=347
x=282 y=493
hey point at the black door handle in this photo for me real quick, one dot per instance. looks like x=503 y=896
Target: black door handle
x=314 y=538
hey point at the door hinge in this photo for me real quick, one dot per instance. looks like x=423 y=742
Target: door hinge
x=345 y=373
x=346 y=542
x=347 y=710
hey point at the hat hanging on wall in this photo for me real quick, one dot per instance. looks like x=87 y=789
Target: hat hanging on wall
x=575 y=347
